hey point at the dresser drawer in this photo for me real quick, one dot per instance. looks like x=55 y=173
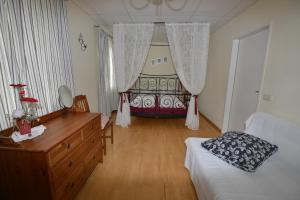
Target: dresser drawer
x=92 y=126
x=67 y=166
x=91 y=161
x=93 y=140
x=71 y=184
x=61 y=150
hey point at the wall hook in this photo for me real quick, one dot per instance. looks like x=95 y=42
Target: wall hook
x=82 y=42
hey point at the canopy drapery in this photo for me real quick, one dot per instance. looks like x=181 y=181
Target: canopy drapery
x=131 y=45
x=108 y=95
x=189 y=50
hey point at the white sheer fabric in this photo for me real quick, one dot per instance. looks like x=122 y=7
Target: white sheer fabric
x=131 y=44
x=108 y=95
x=189 y=49
x=34 y=50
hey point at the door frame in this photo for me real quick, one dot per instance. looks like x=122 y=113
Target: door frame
x=232 y=73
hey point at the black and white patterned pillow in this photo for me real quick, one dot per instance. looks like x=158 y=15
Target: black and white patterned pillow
x=241 y=150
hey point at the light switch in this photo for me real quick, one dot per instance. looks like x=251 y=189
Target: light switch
x=267 y=97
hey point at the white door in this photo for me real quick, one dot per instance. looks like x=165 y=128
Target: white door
x=248 y=76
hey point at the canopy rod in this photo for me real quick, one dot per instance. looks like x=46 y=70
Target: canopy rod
x=97 y=27
x=160 y=45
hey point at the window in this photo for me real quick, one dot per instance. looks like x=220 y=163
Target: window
x=29 y=54
x=112 y=81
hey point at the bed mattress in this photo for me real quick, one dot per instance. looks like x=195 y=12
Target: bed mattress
x=214 y=179
x=149 y=105
x=163 y=101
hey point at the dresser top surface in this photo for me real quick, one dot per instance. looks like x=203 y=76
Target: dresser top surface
x=57 y=130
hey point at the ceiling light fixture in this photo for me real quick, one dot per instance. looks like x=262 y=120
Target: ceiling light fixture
x=157 y=4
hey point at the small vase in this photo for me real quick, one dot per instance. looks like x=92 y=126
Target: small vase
x=24 y=126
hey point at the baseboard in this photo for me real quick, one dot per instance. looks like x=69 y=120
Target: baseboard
x=210 y=122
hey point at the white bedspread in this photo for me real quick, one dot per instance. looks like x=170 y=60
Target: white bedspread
x=215 y=179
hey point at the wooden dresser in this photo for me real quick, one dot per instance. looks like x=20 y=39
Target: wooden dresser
x=54 y=165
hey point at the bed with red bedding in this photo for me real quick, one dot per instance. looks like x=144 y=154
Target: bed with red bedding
x=158 y=96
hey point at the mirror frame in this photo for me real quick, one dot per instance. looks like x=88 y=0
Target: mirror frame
x=65 y=92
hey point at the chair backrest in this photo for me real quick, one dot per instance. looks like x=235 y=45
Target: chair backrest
x=81 y=104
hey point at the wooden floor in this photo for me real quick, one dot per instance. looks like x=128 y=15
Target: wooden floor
x=146 y=162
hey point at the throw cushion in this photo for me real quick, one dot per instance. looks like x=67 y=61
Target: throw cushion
x=241 y=150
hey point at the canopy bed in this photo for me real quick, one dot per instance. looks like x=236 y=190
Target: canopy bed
x=189 y=47
x=158 y=96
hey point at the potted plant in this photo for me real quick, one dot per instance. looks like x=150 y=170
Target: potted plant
x=24 y=116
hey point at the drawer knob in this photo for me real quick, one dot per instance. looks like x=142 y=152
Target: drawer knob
x=70 y=163
x=67 y=145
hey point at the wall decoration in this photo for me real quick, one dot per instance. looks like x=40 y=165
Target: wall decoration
x=157 y=61
x=82 y=42
x=153 y=61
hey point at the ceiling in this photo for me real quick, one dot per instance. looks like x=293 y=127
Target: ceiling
x=215 y=12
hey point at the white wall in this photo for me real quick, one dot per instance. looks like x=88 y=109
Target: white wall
x=159 y=69
x=282 y=75
x=84 y=63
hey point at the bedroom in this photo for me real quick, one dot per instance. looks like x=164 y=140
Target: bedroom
x=146 y=160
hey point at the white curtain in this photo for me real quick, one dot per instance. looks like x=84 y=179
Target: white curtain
x=189 y=49
x=108 y=94
x=131 y=45
x=35 y=50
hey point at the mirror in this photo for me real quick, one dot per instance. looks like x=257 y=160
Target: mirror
x=65 y=96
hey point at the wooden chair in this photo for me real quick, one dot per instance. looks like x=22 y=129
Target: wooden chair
x=81 y=104
x=108 y=125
